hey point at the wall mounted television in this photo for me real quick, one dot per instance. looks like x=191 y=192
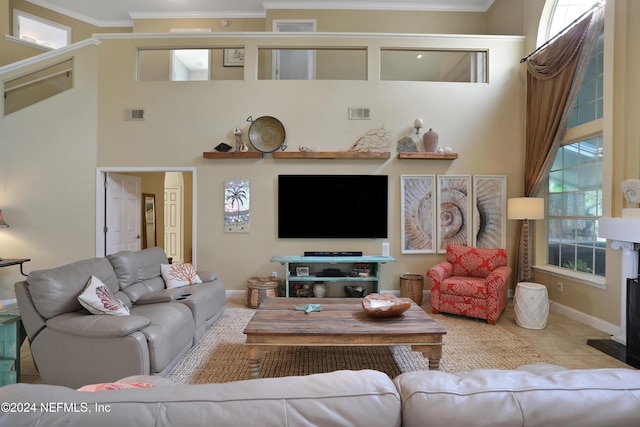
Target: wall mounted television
x=332 y=206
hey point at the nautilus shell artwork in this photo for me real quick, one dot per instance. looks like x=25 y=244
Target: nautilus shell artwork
x=418 y=224
x=454 y=211
x=489 y=215
x=631 y=190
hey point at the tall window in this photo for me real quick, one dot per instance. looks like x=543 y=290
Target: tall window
x=575 y=180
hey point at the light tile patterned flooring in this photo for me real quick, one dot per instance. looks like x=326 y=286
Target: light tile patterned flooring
x=564 y=339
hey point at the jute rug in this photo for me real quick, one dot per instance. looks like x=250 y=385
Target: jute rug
x=469 y=344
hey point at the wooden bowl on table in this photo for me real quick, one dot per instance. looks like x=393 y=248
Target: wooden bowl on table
x=384 y=305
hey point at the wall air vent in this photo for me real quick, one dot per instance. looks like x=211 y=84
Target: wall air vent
x=359 y=114
x=134 y=114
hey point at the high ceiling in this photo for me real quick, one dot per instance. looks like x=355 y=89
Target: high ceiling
x=107 y=13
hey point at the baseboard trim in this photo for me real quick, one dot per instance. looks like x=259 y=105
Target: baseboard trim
x=235 y=294
x=586 y=319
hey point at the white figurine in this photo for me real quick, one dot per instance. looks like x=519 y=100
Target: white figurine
x=631 y=190
x=238 y=133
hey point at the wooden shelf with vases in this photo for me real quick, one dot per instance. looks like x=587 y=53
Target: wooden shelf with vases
x=353 y=155
x=232 y=155
x=428 y=156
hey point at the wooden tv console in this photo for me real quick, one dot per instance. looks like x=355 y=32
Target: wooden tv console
x=317 y=264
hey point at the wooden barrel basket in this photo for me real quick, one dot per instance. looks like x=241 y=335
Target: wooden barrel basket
x=411 y=286
x=259 y=288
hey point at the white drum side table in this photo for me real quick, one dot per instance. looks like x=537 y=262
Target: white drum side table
x=531 y=305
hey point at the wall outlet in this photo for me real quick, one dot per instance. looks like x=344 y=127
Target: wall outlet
x=560 y=287
x=274 y=274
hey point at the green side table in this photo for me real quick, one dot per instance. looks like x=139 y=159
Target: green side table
x=12 y=335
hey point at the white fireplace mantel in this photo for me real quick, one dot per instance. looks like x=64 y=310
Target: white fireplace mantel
x=620 y=229
x=624 y=233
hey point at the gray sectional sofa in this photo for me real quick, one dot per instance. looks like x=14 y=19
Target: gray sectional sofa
x=533 y=395
x=72 y=347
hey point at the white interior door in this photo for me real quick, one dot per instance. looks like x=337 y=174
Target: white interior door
x=173 y=242
x=294 y=64
x=123 y=215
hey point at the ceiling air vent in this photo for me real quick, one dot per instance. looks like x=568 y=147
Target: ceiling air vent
x=359 y=114
x=134 y=114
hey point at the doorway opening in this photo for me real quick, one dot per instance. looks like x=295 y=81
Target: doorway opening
x=294 y=64
x=175 y=222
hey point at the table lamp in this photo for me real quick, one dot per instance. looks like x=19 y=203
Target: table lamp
x=526 y=209
x=3 y=224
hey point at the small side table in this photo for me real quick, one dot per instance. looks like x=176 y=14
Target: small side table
x=14 y=261
x=12 y=335
x=531 y=305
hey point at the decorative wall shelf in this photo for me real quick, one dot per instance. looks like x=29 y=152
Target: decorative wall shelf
x=353 y=155
x=232 y=155
x=428 y=156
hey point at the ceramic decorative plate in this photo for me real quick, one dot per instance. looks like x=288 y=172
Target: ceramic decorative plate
x=266 y=134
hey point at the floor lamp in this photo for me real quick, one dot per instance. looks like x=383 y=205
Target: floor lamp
x=526 y=209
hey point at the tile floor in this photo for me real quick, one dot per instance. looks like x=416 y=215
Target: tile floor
x=564 y=339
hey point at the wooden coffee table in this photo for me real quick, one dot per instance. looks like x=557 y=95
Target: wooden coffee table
x=342 y=322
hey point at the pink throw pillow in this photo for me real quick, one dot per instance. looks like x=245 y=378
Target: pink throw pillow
x=178 y=275
x=98 y=299
x=114 y=386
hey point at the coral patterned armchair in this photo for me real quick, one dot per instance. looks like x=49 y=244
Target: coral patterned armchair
x=471 y=282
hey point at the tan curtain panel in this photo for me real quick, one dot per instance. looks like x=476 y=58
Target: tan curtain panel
x=550 y=75
x=554 y=77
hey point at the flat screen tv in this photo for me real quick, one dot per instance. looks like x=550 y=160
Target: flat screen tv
x=332 y=206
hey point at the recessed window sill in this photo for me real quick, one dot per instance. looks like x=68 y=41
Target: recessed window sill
x=586 y=279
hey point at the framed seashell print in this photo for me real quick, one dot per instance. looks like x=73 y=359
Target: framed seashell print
x=417 y=194
x=489 y=211
x=454 y=211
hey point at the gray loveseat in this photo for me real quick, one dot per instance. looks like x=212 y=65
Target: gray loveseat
x=533 y=395
x=72 y=347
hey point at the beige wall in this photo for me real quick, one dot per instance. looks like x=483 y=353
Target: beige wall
x=386 y=21
x=484 y=123
x=166 y=25
x=626 y=93
x=47 y=173
x=11 y=51
x=80 y=29
x=506 y=17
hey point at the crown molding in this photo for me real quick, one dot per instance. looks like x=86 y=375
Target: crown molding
x=79 y=16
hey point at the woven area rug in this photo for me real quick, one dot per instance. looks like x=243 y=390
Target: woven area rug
x=469 y=344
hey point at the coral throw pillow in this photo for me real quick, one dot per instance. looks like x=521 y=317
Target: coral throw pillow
x=178 y=275
x=98 y=299
x=114 y=386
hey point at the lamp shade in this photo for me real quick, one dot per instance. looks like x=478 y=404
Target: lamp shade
x=3 y=224
x=525 y=208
